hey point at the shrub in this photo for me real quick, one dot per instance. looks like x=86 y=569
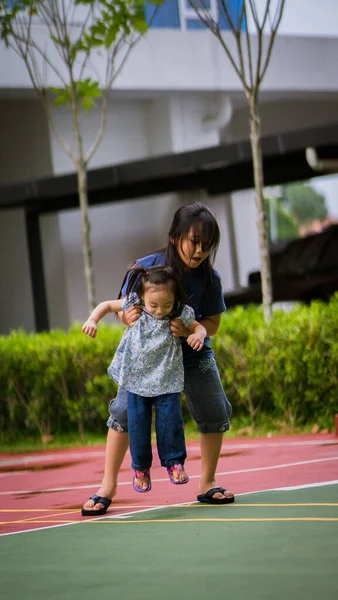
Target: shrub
x=288 y=368
x=57 y=382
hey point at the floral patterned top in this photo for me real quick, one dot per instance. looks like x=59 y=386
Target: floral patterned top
x=148 y=360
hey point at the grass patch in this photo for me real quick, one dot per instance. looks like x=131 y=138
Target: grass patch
x=35 y=444
x=241 y=428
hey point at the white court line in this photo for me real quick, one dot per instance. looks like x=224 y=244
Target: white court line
x=252 y=470
x=136 y=512
x=100 y=453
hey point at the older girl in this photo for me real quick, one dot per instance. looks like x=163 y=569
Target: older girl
x=192 y=244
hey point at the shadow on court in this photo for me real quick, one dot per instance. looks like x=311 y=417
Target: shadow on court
x=268 y=545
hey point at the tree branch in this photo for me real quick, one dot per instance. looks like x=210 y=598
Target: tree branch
x=248 y=44
x=54 y=128
x=274 y=29
x=211 y=24
x=111 y=75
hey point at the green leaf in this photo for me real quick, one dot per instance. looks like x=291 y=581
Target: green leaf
x=139 y=24
x=87 y=103
x=110 y=38
x=62 y=95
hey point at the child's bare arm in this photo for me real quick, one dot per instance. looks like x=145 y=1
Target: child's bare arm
x=102 y=309
x=197 y=335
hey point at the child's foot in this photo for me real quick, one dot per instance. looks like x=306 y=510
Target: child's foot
x=177 y=474
x=142 y=481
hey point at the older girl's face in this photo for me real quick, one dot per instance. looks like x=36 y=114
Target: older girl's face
x=190 y=249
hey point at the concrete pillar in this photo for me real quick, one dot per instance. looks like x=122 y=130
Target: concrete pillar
x=246 y=234
x=16 y=303
x=24 y=155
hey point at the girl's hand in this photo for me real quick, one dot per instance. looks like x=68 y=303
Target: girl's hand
x=90 y=328
x=132 y=315
x=178 y=329
x=196 y=340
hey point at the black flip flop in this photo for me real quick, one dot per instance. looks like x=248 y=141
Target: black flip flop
x=101 y=511
x=207 y=498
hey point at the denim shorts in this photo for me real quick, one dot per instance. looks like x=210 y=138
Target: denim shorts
x=206 y=400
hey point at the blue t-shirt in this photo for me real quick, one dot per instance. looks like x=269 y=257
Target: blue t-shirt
x=196 y=287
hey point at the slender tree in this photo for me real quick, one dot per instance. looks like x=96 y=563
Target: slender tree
x=68 y=42
x=250 y=59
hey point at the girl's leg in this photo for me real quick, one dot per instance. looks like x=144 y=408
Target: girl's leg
x=210 y=408
x=170 y=434
x=211 y=444
x=116 y=448
x=139 y=427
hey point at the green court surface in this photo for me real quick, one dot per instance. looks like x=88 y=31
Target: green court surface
x=269 y=545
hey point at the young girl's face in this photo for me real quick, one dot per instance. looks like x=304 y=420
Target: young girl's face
x=158 y=300
x=190 y=249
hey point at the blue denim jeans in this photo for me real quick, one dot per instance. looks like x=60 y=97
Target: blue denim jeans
x=206 y=400
x=169 y=430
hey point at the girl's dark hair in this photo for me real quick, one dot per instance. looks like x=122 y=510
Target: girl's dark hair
x=138 y=277
x=202 y=221
x=200 y=218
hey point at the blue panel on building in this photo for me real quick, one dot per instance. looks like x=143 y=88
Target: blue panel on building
x=194 y=24
x=234 y=7
x=167 y=14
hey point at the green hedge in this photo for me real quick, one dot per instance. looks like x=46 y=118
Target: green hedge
x=57 y=382
x=288 y=369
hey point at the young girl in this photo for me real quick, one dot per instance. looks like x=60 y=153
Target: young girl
x=148 y=364
x=193 y=240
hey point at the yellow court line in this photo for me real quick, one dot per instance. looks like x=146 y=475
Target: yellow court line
x=227 y=520
x=10 y=523
x=65 y=510
x=37 y=519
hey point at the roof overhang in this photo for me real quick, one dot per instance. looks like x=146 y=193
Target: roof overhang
x=219 y=169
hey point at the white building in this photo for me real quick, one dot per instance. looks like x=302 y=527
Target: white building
x=177 y=93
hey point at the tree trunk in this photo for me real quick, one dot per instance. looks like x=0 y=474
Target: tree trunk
x=86 y=243
x=262 y=222
x=83 y=201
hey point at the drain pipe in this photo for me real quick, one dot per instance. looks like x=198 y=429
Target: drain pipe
x=329 y=165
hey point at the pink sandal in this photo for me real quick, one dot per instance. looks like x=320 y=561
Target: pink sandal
x=142 y=475
x=177 y=467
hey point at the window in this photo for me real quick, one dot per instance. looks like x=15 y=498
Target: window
x=189 y=18
x=166 y=16
x=179 y=14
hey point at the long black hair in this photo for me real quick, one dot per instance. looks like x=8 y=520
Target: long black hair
x=138 y=277
x=198 y=217
x=201 y=220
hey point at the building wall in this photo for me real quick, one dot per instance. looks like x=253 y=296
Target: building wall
x=304 y=18
x=24 y=154
x=177 y=92
x=16 y=303
x=24 y=141
x=283 y=115
x=124 y=139
x=174 y=60
x=123 y=231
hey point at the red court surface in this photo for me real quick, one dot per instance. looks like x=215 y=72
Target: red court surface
x=47 y=489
